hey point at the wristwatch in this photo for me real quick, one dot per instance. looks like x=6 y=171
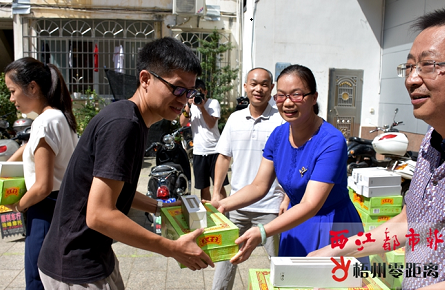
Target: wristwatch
x=158 y=208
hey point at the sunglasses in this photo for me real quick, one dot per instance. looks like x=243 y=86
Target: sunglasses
x=177 y=90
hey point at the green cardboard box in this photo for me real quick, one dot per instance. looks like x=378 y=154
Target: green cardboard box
x=379 y=205
x=259 y=280
x=396 y=256
x=218 y=239
x=11 y=189
x=371 y=222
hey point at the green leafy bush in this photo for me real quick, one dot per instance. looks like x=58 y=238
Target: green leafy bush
x=86 y=111
x=6 y=106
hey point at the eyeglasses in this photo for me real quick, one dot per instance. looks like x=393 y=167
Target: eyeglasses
x=425 y=69
x=177 y=91
x=295 y=97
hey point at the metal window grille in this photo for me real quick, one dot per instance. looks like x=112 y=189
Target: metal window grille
x=70 y=45
x=346 y=88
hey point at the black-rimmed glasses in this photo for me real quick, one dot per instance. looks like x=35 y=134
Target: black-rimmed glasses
x=295 y=97
x=426 y=69
x=177 y=90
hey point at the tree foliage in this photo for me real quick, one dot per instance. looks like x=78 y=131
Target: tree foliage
x=87 y=110
x=218 y=78
x=6 y=106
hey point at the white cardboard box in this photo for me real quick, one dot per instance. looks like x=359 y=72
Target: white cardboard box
x=375 y=176
x=379 y=178
x=311 y=272
x=352 y=184
x=11 y=169
x=194 y=212
x=357 y=171
x=371 y=191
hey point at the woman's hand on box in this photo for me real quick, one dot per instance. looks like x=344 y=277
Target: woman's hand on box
x=216 y=204
x=250 y=240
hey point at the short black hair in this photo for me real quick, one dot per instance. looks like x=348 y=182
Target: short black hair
x=266 y=70
x=306 y=75
x=165 y=55
x=200 y=84
x=435 y=18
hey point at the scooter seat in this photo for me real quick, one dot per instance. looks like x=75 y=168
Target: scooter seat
x=166 y=168
x=360 y=140
x=162 y=170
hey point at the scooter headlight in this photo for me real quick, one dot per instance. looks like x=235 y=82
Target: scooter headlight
x=168 y=139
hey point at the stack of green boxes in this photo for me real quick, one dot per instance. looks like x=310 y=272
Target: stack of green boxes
x=375 y=193
x=376 y=210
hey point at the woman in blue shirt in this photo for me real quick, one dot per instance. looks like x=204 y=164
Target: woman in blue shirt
x=308 y=157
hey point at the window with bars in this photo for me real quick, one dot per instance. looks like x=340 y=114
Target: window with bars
x=81 y=48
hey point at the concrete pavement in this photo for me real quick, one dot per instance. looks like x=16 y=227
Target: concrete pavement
x=140 y=269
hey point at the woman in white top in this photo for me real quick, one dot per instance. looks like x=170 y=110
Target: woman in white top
x=40 y=88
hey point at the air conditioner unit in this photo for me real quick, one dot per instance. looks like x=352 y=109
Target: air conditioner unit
x=189 y=7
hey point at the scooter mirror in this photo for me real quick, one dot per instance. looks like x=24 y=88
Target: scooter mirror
x=395 y=113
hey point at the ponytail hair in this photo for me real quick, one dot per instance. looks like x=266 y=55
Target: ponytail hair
x=52 y=85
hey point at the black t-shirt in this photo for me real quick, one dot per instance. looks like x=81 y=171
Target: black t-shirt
x=111 y=147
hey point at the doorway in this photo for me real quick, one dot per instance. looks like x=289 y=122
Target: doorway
x=345 y=100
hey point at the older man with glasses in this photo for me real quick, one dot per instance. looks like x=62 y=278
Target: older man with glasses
x=420 y=227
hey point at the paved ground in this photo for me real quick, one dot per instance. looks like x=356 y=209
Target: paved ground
x=140 y=269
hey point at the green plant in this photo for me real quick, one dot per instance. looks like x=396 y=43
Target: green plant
x=88 y=109
x=6 y=106
x=218 y=78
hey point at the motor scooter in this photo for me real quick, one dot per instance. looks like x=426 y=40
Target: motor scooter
x=171 y=177
x=11 y=142
x=361 y=152
x=241 y=103
x=393 y=145
x=187 y=141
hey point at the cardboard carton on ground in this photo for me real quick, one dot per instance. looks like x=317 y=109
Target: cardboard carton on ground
x=378 y=205
x=259 y=279
x=218 y=239
x=12 y=183
x=310 y=272
x=194 y=212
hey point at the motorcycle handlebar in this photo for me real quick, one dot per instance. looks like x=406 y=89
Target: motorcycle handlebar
x=179 y=130
x=153 y=145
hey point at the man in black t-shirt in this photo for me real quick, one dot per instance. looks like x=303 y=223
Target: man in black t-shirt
x=99 y=186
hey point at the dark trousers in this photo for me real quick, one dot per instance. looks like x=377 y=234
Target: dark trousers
x=38 y=220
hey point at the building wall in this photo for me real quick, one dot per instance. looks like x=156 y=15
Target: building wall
x=397 y=41
x=341 y=34
x=158 y=12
